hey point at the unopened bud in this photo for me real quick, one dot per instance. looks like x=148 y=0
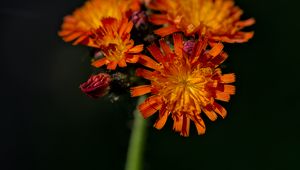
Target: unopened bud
x=97 y=85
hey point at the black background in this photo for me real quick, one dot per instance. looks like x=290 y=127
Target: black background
x=47 y=123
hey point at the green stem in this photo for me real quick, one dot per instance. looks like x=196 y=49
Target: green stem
x=136 y=144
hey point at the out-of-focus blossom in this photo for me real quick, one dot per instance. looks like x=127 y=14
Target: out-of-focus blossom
x=79 y=26
x=219 y=20
x=138 y=18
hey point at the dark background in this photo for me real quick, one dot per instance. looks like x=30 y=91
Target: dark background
x=47 y=123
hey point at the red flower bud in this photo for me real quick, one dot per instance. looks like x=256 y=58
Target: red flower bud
x=97 y=85
x=188 y=46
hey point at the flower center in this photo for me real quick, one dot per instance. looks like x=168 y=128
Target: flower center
x=184 y=88
x=114 y=52
x=114 y=48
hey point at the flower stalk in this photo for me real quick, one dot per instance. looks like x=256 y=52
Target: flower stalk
x=137 y=140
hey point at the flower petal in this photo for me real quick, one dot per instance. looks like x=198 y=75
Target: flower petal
x=150 y=106
x=178 y=44
x=148 y=62
x=99 y=63
x=166 y=30
x=228 y=78
x=161 y=121
x=136 y=49
x=140 y=90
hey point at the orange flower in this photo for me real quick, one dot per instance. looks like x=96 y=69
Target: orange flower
x=113 y=38
x=218 y=19
x=184 y=85
x=79 y=26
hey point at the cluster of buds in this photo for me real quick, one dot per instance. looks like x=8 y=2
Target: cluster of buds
x=180 y=64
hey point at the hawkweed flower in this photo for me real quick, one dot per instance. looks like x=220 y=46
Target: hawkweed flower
x=97 y=85
x=219 y=20
x=184 y=85
x=113 y=38
x=79 y=26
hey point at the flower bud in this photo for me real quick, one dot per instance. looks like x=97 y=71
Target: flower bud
x=139 y=18
x=188 y=46
x=97 y=85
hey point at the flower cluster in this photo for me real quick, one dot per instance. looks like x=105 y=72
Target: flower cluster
x=180 y=64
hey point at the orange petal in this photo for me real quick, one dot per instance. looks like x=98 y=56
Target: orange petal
x=161 y=120
x=219 y=59
x=185 y=131
x=122 y=28
x=230 y=89
x=222 y=96
x=64 y=32
x=200 y=126
x=246 y=23
x=140 y=90
x=148 y=62
x=246 y=36
x=150 y=106
x=129 y=27
x=177 y=125
x=70 y=19
x=155 y=52
x=99 y=63
x=89 y=42
x=166 y=30
x=80 y=39
x=132 y=58
x=216 y=49
x=72 y=36
x=165 y=47
x=220 y=110
x=112 y=65
x=228 y=78
x=158 y=19
x=239 y=37
x=122 y=63
x=178 y=44
x=210 y=114
x=200 y=46
x=70 y=27
x=159 y=5
x=136 y=49
x=144 y=73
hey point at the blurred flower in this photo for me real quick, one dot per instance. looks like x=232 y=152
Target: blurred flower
x=188 y=46
x=184 y=85
x=80 y=25
x=138 y=18
x=217 y=19
x=113 y=38
x=97 y=85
